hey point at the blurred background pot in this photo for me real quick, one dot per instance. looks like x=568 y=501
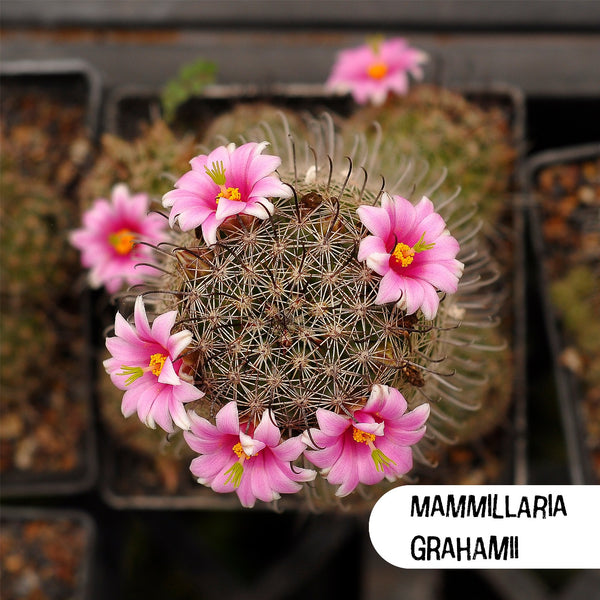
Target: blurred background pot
x=48 y=124
x=564 y=192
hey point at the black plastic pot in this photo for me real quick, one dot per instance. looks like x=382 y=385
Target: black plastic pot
x=47 y=552
x=570 y=386
x=124 y=472
x=72 y=88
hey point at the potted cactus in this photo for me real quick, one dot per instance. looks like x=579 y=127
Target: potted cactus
x=292 y=324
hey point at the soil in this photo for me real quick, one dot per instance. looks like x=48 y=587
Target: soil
x=568 y=195
x=43 y=559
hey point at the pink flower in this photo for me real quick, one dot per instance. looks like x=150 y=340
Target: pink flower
x=107 y=239
x=413 y=251
x=229 y=181
x=253 y=463
x=145 y=362
x=373 y=444
x=373 y=70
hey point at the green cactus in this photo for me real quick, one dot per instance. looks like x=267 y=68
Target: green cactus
x=438 y=130
x=27 y=353
x=144 y=163
x=36 y=261
x=577 y=299
x=283 y=314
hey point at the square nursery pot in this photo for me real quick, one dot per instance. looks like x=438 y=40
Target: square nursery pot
x=49 y=120
x=139 y=471
x=46 y=553
x=564 y=192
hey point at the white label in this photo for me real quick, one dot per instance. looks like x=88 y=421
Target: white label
x=498 y=527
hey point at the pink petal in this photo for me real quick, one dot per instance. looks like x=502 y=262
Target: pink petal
x=424 y=208
x=124 y=330
x=178 y=342
x=404 y=218
x=228 y=208
x=331 y=423
x=250 y=445
x=371 y=245
x=289 y=449
x=186 y=392
x=403 y=437
x=325 y=458
x=439 y=276
x=146 y=400
x=380 y=263
x=367 y=472
x=401 y=455
x=160 y=410
x=376 y=220
x=161 y=327
x=390 y=288
x=270 y=187
x=128 y=354
x=267 y=431
x=227 y=419
x=244 y=491
x=261 y=209
x=413 y=295
x=433 y=226
x=414 y=419
x=209 y=229
x=208 y=466
x=262 y=166
x=141 y=320
x=431 y=302
x=179 y=413
x=259 y=480
x=167 y=374
x=446 y=248
x=130 y=398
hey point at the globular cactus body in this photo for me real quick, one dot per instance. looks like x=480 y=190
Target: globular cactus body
x=285 y=318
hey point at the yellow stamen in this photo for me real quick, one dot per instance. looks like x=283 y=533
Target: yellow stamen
x=217 y=173
x=235 y=473
x=377 y=70
x=132 y=373
x=157 y=362
x=403 y=254
x=230 y=193
x=122 y=241
x=240 y=451
x=362 y=436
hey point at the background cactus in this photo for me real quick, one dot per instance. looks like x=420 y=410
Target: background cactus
x=36 y=261
x=283 y=314
x=439 y=130
x=27 y=346
x=144 y=163
x=568 y=194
